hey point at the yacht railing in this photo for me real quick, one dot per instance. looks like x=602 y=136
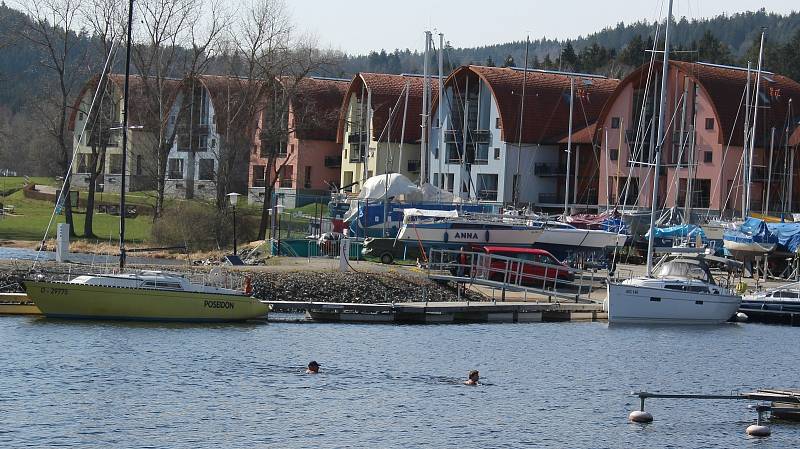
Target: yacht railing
x=513 y=274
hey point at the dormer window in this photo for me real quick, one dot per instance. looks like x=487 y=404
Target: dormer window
x=709 y=123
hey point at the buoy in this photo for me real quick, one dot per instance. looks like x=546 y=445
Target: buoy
x=742 y=317
x=757 y=430
x=640 y=416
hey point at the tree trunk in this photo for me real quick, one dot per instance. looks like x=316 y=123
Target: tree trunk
x=98 y=159
x=267 y=205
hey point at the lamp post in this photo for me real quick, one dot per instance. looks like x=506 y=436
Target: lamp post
x=234 y=198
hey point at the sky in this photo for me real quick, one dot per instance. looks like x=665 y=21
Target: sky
x=358 y=26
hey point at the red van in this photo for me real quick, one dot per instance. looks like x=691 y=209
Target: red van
x=533 y=273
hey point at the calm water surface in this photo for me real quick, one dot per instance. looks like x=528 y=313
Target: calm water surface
x=102 y=384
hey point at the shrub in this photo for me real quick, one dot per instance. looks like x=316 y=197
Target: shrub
x=201 y=227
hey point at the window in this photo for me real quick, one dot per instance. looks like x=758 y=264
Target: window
x=206 y=172
x=497 y=123
x=436 y=153
x=450 y=182
x=413 y=165
x=709 y=123
x=436 y=179
x=202 y=142
x=80 y=116
x=708 y=157
x=614 y=122
x=175 y=169
x=258 y=175
x=482 y=155
x=286 y=176
x=497 y=153
x=115 y=164
x=613 y=154
x=307 y=177
x=701 y=197
x=487 y=187
x=139 y=167
x=356 y=153
x=82 y=168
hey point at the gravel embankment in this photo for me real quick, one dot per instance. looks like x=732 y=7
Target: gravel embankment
x=361 y=287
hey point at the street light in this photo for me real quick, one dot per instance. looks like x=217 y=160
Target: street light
x=234 y=198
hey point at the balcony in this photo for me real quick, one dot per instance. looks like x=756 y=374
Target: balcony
x=551 y=198
x=175 y=175
x=287 y=183
x=259 y=182
x=548 y=169
x=333 y=162
x=357 y=137
x=487 y=195
x=474 y=136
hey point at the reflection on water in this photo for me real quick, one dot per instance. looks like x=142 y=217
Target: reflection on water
x=111 y=384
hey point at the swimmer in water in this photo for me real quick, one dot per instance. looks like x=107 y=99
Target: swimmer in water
x=313 y=367
x=473 y=379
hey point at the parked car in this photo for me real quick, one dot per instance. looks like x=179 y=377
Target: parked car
x=532 y=272
x=389 y=249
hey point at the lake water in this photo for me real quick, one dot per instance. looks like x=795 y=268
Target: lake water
x=9 y=253
x=107 y=384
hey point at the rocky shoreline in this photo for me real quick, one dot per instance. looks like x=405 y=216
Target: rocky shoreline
x=356 y=287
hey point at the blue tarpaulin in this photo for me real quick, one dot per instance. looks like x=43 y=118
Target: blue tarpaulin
x=686 y=230
x=788 y=235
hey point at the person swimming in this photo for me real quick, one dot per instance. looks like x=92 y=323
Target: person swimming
x=474 y=377
x=313 y=367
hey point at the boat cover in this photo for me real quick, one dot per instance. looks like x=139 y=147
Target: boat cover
x=788 y=235
x=685 y=230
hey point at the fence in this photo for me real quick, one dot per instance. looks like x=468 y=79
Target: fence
x=313 y=248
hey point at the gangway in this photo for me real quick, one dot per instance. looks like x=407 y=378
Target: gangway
x=512 y=274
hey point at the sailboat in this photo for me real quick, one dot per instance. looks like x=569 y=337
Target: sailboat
x=143 y=295
x=683 y=290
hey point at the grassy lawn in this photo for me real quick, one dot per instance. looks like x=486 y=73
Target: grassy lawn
x=31 y=218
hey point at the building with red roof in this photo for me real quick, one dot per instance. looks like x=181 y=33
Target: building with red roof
x=100 y=129
x=308 y=161
x=704 y=138
x=477 y=155
x=379 y=131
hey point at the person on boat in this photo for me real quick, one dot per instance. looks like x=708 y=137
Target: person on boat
x=474 y=377
x=313 y=367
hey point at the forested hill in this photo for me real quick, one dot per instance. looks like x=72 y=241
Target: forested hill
x=726 y=39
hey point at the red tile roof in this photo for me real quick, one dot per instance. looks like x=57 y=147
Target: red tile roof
x=583 y=136
x=794 y=140
x=386 y=91
x=546 y=115
x=235 y=100
x=316 y=107
x=142 y=111
x=725 y=88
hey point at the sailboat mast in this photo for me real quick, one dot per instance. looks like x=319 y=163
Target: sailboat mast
x=516 y=187
x=744 y=145
x=755 y=117
x=659 y=143
x=425 y=115
x=569 y=143
x=440 y=109
x=125 y=139
x=765 y=209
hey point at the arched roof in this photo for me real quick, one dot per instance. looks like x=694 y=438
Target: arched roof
x=724 y=87
x=546 y=112
x=386 y=90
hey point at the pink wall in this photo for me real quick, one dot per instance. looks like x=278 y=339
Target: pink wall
x=706 y=140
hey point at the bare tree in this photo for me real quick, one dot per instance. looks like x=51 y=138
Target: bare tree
x=51 y=29
x=157 y=57
x=267 y=52
x=107 y=22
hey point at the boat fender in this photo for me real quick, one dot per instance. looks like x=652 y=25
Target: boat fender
x=446 y=237
x=248 y=285
x=487 y=236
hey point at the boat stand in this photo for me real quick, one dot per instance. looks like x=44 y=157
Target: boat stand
x=784 y=404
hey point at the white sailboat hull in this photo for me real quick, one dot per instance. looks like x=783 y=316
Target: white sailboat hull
x=454 y=236
x=630 y=303
x=581 y=238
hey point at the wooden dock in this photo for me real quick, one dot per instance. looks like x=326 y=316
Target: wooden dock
x=446 y=312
